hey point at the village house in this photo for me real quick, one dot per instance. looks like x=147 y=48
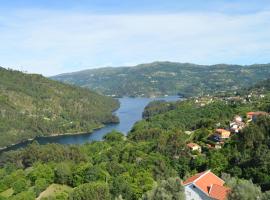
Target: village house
x=237 y=118
x=252 y=116
x=237 y=124
x=221 y=134
x=194 y=147
x=236 y=127
x=205 y=186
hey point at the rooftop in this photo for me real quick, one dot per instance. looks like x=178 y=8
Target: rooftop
x=191 y=145
x=210 y=184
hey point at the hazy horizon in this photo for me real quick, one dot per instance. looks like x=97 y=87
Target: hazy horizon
x=60 y=37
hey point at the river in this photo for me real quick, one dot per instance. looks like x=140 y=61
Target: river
x=129 y=112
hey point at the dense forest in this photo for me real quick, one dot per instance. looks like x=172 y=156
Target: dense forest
x=32 y=105
x=167 y=78
x=152 y=160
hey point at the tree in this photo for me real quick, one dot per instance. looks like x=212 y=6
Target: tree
x=266 y=195
x=94 y=190
x=170 y=189
x=217 y=162
x=244 y=189
x=121 y=186
x=40 y=185
x=19 y=185
x=29 y=195
x=62 y=173
x=114 y=136
x=202 y=133
x=95 y=173
x=42 y=171
x=4 y=198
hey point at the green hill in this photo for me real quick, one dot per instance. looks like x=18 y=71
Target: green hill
x=152 y=160
x=167 y=78
x=32 y=105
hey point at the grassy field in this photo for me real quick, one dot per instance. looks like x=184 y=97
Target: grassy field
x=7 y=193
x=55 y=191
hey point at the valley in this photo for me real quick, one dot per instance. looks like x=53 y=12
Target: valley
x=33 y=106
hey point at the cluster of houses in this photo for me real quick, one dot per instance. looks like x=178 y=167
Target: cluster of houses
x=205 y=186
x=220 y=135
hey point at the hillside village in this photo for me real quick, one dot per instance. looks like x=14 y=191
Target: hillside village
x=220 y=136
x=206 y=185
x=201 y=148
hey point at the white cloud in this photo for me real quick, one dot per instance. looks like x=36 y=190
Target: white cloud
x=51 y=42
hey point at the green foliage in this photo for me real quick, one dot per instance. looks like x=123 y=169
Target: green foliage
x=63 y=173
x=42 y=171
x=170 y=189
x=32 y=105
x=186 y=116
x=40 y=185
x=141 y=164
x=266 y=195
x=114 y=136
x=201 y=134
x=35 y=152
x=95 y=173
x=19 y=185
x=94 y=190
x=29 y=195
x=245 y=190
x=2 y=198
x=55 y=192
x=217 y=162
x=157 y=107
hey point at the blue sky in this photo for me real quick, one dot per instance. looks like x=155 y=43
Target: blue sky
x=52 y=37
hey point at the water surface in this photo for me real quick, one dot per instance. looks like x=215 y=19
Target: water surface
x=129 y=113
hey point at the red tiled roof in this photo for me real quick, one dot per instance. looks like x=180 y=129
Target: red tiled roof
x=257 y=113
x=193 y=178
x=250 y=113
x=210 y=184
x=219 y=192
x=207 y=180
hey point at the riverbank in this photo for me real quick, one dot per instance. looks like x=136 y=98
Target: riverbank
x=27 y=141
x=129 y=112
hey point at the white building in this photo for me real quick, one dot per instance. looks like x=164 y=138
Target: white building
x=205 y=186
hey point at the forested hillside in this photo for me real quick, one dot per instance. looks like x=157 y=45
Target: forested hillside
x=168 y=78
x=244 y=155
x=32 y=105
x=151 y=162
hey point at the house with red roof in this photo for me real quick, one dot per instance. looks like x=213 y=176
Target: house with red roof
x=194 y=147
x=252 y=116
x=221 y=134
x=205 y=186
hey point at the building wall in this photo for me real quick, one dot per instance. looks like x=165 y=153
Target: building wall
x=193 y=193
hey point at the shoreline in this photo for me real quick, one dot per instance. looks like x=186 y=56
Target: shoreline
x=25 y=142
x=3 y=149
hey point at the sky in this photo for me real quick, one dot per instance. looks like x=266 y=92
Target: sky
x=53 y=37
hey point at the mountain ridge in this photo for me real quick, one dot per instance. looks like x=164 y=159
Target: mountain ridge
x=167 y=78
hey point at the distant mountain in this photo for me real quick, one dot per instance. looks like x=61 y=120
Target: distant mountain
x=32 y=105
x=167 y=78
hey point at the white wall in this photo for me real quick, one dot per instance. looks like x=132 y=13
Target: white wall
x=194 y=193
